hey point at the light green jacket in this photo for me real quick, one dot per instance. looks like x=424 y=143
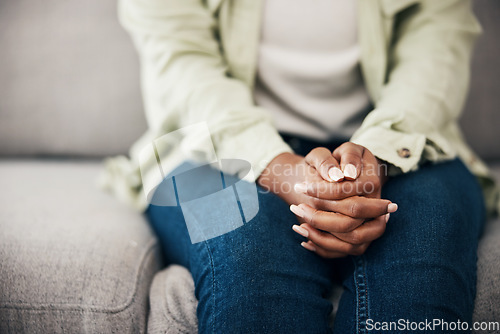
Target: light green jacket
x=198 y=62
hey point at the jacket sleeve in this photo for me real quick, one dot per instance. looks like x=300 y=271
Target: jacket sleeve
x=185 y=80
x=426 y=85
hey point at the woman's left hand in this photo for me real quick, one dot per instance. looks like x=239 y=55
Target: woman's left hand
x=358 y=165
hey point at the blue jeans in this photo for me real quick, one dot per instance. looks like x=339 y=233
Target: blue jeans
x=258 y=279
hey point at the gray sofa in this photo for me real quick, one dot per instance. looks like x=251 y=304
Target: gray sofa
x=72 y=258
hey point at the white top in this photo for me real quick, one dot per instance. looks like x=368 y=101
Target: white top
x=308 y=73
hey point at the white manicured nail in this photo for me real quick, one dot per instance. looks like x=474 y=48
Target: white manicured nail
x=297 y=210
x=387 y=217
x=393 y=207
x=350 y=172
x=300 y=230
x=308 y=246
x=335 y=174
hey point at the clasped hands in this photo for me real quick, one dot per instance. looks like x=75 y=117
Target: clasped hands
x=335 y=196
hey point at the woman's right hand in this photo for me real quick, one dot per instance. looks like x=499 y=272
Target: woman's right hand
x=284 y=172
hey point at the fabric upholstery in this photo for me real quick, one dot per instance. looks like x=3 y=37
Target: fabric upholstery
x=69 y=79
x=481 y=116
x=488 y=277
x=71 y=257
x=173 y=304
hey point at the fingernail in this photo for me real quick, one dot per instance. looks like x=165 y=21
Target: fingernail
x=387 y=217
x=393 y=207
x=300 y=230
x=297 y=210
x=308 y=246
x=300 y=188
x=336 y=174
x=350 y=171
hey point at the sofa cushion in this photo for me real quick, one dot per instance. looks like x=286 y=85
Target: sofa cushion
x=70 y=79
x=72 y=259
x=487 y=306
x=173 y=303
x=481 y=117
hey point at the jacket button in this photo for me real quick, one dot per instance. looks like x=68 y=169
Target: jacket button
x=404 y=152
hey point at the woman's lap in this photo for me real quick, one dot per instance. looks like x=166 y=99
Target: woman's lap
x=245 y=280
x=424 y=266
x=258 y=278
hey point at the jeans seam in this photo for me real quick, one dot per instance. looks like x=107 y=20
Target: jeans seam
x=357 y=293
x=367 y=290
x=212 y=267
x=360 y=281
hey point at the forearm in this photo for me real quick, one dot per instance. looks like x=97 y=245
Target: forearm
x=426 y=85
x=186 y=80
